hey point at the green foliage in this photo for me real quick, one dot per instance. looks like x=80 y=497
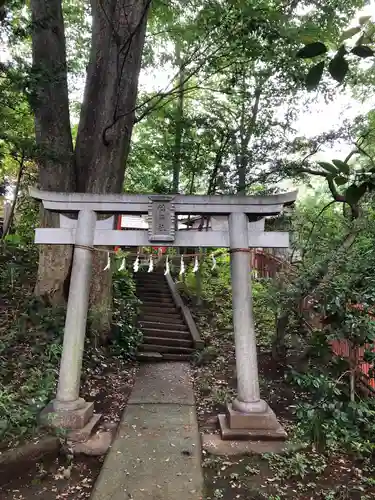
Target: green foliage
x=314 y=75
x=26 y=220
x=216 y=293
x=296 y=465
x=312 y=50
x=30 y=345
x=31 y=338
x=216 y=287
x=338 y=65
x=241 y=86
x=337 y=278
x=126 y=335
x=331 y=421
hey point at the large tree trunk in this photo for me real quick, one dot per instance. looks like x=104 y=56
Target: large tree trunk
x=104 y=132
x=50 y=104
x=107 y=118
x=246 y=132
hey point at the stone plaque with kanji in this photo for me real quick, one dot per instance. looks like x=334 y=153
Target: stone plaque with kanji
x=161 y=219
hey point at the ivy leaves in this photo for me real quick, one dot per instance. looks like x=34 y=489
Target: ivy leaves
x=338 y=65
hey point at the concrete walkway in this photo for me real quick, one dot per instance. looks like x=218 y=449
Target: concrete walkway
x=156 y=454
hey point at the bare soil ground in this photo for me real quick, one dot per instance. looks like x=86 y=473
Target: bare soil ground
x=108 y=382
x=30 y=348
x=302 y=475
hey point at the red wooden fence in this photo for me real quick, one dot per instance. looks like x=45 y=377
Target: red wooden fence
x=265 y=265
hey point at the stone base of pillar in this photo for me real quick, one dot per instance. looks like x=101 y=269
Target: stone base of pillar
x=256 y=426
x=69 y=419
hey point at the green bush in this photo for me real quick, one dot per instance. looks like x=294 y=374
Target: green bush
x=216 y=294
x=31 y=337
x=126 y=335
x=330 y=419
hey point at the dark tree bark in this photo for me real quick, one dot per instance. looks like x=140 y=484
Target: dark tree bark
x=107 y=113
x=246 y=130
x=105 y=127
x=107 y=118
x=50 y=104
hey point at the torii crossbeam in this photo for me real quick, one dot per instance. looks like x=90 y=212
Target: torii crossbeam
x=241 y=228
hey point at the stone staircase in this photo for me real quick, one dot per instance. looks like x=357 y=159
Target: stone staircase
x=166 y=337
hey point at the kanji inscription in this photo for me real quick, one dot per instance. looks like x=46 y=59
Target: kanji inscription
x=161 y=219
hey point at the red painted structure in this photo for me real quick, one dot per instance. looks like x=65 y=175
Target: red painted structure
x=158 y=250
x=265 y=265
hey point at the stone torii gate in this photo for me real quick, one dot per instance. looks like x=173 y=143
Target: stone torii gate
x=240 y=227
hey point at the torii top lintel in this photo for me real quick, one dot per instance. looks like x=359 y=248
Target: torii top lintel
x=140 y=203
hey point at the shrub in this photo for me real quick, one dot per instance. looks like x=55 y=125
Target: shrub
x=216 y=293
x=126 y=335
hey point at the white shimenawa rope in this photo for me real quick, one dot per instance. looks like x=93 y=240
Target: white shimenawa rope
x=108 y=263
x=213 y=262
x=151 y=265
x=122 y=267
x=182 y=266
x=167 y=270
x=136 y=264
x=196 y=265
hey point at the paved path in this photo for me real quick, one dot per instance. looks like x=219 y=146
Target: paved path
x=156 y=454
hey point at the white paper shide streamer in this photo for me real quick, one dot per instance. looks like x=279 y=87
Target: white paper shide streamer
x=122 y=267
x=136 y=264
x=182 y=266
x=151 y=265
x=196 y=265
x=167 y=270
x=108 y=263
x=213 y=263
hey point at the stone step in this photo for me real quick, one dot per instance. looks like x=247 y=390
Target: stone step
x=162 y=319
x=160 y=305
x=153 y=298
x=150 y=326
x=158 y=309
x=157 y=356
x=147 y=292
x=150 y=278
x=149 y=356
x=152 y=289
x=165 y=349
x=167 y=341
x=168 y=333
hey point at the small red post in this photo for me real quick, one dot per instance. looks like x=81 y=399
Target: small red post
x=118 y=227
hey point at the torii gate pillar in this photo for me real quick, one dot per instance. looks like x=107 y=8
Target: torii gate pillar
x=248 y=417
